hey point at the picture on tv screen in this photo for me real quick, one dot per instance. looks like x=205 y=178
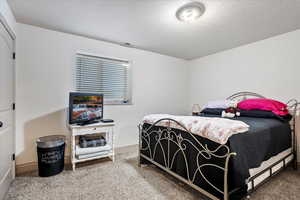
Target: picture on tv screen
x=85 y=107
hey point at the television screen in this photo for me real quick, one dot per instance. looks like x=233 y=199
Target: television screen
x=85 y=107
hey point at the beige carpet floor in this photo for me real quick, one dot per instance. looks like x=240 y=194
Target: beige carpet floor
x=124 y=180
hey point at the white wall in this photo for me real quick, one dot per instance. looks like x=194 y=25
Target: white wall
x=269 y=67
x=6 y=13
x=45 y=60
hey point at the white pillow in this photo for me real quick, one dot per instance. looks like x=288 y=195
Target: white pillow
x=221 y=104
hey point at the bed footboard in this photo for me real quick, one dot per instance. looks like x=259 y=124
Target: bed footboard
x=162 y=146
x=165 y=148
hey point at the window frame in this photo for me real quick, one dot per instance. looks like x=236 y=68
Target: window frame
x=129 y=76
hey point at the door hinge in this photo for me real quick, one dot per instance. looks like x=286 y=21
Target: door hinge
x=13 y=157
x=14 y=106
x=14 y=55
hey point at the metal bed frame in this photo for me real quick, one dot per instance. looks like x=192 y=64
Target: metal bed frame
x=166 y=134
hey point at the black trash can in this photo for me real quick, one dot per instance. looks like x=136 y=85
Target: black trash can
x=51 y=153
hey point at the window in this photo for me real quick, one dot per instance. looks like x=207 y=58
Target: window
x=104 y=75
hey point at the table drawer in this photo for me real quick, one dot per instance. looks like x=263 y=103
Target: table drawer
x=92 y=130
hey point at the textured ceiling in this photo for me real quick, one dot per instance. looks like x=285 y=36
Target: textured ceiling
x=152 y=25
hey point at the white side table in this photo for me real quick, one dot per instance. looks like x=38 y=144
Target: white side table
x=107 y=129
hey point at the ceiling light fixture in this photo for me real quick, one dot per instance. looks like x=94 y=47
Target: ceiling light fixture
x=190 y=11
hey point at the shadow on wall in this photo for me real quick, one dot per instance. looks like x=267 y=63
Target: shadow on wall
x=51 y=124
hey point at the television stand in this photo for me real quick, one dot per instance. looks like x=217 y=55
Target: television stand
x=105 y=129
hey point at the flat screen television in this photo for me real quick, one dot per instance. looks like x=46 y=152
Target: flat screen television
x=85 y=107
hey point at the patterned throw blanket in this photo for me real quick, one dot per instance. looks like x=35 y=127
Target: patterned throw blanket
x=213 y=128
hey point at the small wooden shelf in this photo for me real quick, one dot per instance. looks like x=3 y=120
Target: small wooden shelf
x=107 y=129
x=76 y=160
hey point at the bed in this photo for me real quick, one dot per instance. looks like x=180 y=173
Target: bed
x=222 y=171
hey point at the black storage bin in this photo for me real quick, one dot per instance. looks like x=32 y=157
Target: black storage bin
x=51 y=153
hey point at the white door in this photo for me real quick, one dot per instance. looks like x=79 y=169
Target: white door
x=6 y=112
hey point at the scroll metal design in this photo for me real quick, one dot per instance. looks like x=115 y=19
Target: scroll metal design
x=167 y=134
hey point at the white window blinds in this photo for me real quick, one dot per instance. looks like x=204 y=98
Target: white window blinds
x=103 y=75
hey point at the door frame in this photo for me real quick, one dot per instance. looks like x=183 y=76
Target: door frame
x=11 y=33
x=7 y=27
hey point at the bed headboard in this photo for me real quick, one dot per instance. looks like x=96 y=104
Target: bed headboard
x=293 y=106
x=244 y=95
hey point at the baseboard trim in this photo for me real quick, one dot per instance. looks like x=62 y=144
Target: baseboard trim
x=26 y=168
x=22 y=169
x=31 y=167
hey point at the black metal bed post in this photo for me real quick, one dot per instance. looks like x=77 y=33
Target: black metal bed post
x=293 y=105
x=141 y=160
x=295 y=146
x=226 y=192
x=140 y=143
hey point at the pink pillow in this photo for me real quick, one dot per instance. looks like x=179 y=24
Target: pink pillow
x=276 y=107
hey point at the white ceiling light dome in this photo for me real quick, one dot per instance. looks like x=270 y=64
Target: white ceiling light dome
x=190 y=11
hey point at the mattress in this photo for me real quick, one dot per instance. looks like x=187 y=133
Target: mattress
x=287 y=154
